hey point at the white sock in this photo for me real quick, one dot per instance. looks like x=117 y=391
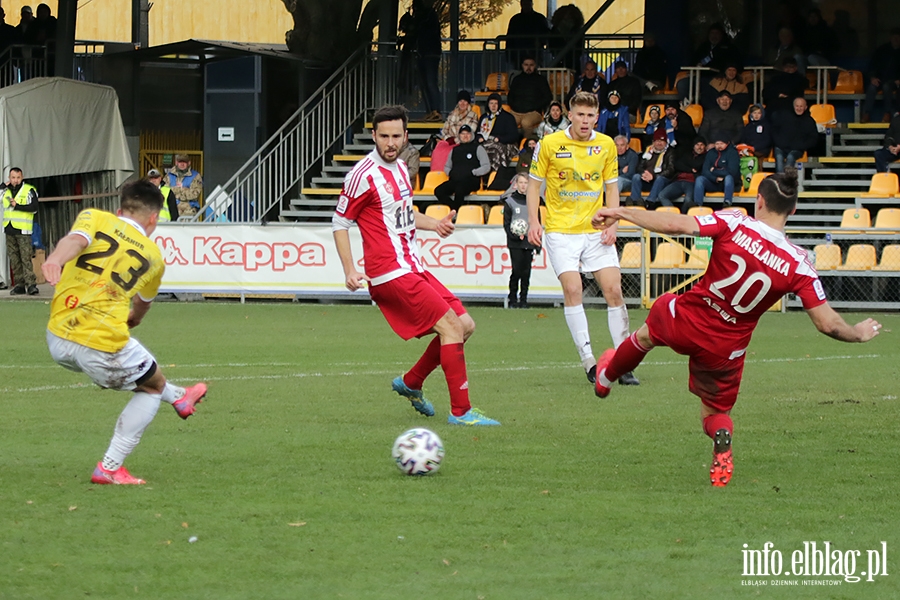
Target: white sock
x=617 y=318
x=130 y=427
x=172 y=393
x=578 y=327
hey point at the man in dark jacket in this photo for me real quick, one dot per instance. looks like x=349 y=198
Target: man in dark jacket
x=716 y=53
x=793 y=133
x=688 y=163
x=526 y=33
x=891 y=150
x=529 y=95
x=681 y=124
x=654 y=172
x=721 y=170
x=723 y=118
x=629 y=89
x=757 y=133
x=783 y=87
x=884 y=75
x=627 y=160
x=498 y=133
x=651 y=64
x=589 y=81
x=467 y=164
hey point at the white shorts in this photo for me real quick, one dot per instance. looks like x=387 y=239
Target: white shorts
x=568 y=251
x=112 y=370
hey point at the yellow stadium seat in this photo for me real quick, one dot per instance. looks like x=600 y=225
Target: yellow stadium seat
x=883 y=185
x=497 y=82
x=631 y=256
x=486 y=192
x=753 y=190
x=495 y=217
x=890 y=259
x=888 y=218
x=856 y=218
x=695 y=112
x=437 y=211
x=668 y=209
x=476 y=109
x=699 y=211
x=635 y=144
x=432 y=180
x=698 y=258
x=416 y=208
x=470 y=214
x=668 y=256
x=828 y=257
x=860 y=257
x=849 y=82
x=560 y=82
x=823 y=114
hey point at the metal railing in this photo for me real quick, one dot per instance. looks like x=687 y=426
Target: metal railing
x=21 y=62
x=302 y=145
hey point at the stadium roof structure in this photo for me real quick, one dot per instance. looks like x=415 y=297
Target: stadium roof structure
x=212 y=50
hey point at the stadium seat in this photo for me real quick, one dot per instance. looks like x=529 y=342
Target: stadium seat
x=437 y=211
x=747 y=115
x=495 y=217
x=631 y=256
x=668 y=256
x=849 y=82
x=432 y=180
x=855 y=218
x=507 y=108
x=646 y=119
x=560 y=82
x=476 y=109
x=748 y=77
x=695 y=112
x=890 y=259
x=888 y=218
x=668 y=209
x=883 y=185
x=753 y=190
x=497 y=82
x=486 y=192
x=699 y=211
x=823 y=114
x=635 y=144
x=681 y=75
x=698 y=258
x=828 y=257
x=860 y=257
x=416 y=208
x=470 y=214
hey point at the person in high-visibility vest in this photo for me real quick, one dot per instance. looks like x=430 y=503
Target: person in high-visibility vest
x=20 y=203
x=169 y=210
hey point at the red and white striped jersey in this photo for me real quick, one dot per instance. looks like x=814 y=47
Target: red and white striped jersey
x=377 y=195
x=750 y=268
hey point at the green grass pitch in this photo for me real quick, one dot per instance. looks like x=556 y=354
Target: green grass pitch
x=284 y=474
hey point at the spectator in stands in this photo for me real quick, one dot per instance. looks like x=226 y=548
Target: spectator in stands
x=186 y=184
x=466 y=165
x=757 y=134
x=529 y=95
x=628 y=161
x=793 y=133
x=20 y=205
x=426 y=33
x=410 y=155
x=526 y=33
x=566 y=22
x=629 y=89
x=680 y=124
x=169 y=210
x=728 y=81
x=498 y=133
x=589 y=81
x=716 y=53
x=656 y=169
x=461 y=115
x=44 y=26
x=9 y=35
x=723 y=119
x=721 y=170
x=654 y=122
x=891 y=151
x=884 y=75
x=783 y=87
x=787 y=47
x=526 y=155
x=819 y=40
x=554 y=121
x=613 y=118
x=688 y=163
x=25 y=27
x=651 y=64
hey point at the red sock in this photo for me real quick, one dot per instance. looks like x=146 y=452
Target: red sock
x=453 y=362
x=713 y=423
x=428 y=362
x=628 y=356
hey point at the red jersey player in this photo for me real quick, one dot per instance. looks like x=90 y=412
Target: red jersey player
x=377 y=197
x=751 y=267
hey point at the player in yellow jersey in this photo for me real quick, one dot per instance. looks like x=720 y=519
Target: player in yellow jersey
x=579 y=167
x=112 y=273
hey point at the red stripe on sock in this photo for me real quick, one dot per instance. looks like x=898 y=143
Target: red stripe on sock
x=628 y=356
x=427 y=363
x=453 y=362
x=713 y=423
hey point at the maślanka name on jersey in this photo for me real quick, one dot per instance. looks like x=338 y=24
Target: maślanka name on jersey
x=755 y=247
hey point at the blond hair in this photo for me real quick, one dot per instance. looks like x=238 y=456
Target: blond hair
x=586 y=99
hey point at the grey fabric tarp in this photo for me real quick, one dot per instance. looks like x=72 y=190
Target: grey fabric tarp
x=55 y=126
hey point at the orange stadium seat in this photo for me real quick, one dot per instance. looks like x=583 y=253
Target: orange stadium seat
x=495 y=217
x=668 y=209
x=888 y=218
x=699 y=211
x=470 y=214
x=497 y=82
x=668 y=256
x=883 y=185
x=849 y=82
x=855 y=218
x=432 y=180
x=437 y=211
x=890 y=259
x=860 y=257
x=631 y=256
x=646 y=119
x=624 y=223
x=823 y=114
x=695 y=112
x=828 y=257
x=753 y=190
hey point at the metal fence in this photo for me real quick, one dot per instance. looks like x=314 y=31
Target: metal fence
x=20 y=62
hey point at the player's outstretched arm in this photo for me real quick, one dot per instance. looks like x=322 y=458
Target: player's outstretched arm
x=66 y=249
x=443 y=227
x=648 y=219
x=833 y=325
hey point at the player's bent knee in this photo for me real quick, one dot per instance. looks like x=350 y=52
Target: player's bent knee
x=153 y=381
x=468 y=324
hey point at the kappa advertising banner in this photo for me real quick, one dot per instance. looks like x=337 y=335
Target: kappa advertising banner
x=296 y=259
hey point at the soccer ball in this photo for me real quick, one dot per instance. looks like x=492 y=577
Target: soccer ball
x=518 y=227
x=418 y=452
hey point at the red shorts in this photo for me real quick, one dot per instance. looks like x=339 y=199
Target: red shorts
x=715 y=377
x=413 y=303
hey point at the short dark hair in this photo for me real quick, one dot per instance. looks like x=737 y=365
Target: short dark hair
x=16 y=169
x=141 y=196
x=779 y=191
x=393 y=112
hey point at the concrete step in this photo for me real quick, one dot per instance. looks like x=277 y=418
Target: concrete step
x=839 y=148
x=342 y=169
x=322 y=216
x=329 y=182
x=310 y=202
x=862 y=136
x=860 y=173
x=842 y=183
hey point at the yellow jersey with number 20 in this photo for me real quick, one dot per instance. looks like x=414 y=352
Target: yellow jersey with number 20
x=576 y=173
x=93 y=297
